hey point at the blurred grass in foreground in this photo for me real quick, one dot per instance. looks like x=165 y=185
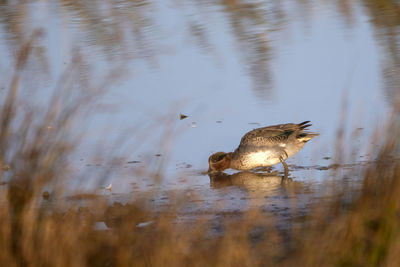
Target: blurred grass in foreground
x=364 y=231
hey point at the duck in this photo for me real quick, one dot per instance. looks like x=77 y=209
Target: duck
x=264 y=147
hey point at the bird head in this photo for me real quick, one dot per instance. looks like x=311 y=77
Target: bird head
x=219 y=161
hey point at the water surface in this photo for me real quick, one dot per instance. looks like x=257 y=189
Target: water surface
x=230 y=67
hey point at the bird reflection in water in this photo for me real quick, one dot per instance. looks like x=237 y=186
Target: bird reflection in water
x=258 y=187
x=254 y=181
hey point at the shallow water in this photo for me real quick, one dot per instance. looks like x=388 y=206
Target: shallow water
x=230 y=67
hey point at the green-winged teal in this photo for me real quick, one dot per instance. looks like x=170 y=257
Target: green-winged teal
x=264 y=147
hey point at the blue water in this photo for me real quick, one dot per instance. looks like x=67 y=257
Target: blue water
x=229 y=71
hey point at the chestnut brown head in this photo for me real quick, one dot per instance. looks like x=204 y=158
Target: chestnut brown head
x=219 y=161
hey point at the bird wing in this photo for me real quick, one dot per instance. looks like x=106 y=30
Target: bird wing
x=264 y=136
x=272 y=135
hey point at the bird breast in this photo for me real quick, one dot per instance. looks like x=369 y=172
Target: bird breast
x=246 y=161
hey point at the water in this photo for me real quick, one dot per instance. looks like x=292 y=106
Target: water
x=230 y=67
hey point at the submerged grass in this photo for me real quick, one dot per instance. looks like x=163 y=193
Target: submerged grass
x=364 y=231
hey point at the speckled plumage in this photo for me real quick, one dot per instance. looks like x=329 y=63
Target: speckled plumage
x=265 y=146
